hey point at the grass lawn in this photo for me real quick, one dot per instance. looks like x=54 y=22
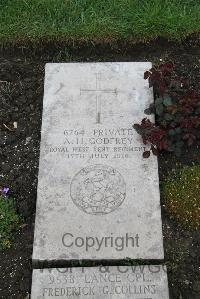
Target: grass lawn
x=97 y=20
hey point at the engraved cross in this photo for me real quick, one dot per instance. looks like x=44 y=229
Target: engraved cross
x=98 y=91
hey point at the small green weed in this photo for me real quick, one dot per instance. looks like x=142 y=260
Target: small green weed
x=9 y=221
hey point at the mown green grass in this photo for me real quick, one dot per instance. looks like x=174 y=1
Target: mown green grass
x=97 y=20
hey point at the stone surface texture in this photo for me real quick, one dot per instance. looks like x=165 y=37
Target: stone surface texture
x=98 y=198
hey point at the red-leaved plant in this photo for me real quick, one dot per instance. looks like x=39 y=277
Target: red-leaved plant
x=177 y=110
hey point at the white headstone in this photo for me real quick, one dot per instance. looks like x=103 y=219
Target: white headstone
x=136 y=282
x=98 y=198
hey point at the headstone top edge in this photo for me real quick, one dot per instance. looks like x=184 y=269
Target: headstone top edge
x=146 y=64
x=142 y=267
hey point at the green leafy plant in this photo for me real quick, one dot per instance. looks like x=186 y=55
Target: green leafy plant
x=9 y=221
x=177 y=110
x=182 y=198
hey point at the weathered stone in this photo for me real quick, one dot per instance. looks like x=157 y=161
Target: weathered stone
x=98 y=199
x=133 y=282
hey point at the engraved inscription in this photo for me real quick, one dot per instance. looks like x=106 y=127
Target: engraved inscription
x=135 y=282
x=98 y=189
